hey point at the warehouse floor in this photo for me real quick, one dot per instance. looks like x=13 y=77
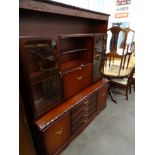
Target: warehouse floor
x=112 y=132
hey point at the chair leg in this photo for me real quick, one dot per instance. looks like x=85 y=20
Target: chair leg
x=126 y=93
x=130 y=88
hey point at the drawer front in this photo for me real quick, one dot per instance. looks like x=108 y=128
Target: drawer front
x=85 y=102
x=86 y=117
x=56 y=135
x=82 y=113
x=76 y=80
x=102 y=97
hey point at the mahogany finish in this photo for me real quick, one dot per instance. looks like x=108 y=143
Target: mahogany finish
x=52 y=115
x=76 y=80
x=71 y=117
x=61 y=48
x=26 y=146
x=56 y=135
x=39 y=61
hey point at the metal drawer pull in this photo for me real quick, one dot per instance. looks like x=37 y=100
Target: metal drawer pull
x=86 y=109
x=86 y=102
x=104 y=94
x=86 y=115
x=85 y=121
x=80 y=77
x=59 y=132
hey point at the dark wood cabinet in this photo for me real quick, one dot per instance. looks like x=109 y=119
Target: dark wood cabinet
x=60 y=82
x=59 y=126
x=26 y=146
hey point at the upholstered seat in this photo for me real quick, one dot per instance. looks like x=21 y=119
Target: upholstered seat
x=122 y=81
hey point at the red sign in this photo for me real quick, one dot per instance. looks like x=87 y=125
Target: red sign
x=123 y=2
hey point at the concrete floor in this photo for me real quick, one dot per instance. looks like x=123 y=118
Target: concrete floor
x=112 y=132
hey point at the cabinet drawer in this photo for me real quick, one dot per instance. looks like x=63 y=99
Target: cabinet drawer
x=86 y=117
x=85 y=111
x=85 y=102
x=102 y=97
x=56 y=135
x=76 y=80
x=82 y=113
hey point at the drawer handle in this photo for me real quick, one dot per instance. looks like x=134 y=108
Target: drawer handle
x=86 y=102
x=86 y=108
x=85 y=121
x=86 y=115
x=104 y=94
x=80 y=77
x=59 y=132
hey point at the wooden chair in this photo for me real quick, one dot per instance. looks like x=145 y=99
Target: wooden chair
x=114 y=60
x=132 y=82
x=129 y=45
x=115 y=46
x=124 y=83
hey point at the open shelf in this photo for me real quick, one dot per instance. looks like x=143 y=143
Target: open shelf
x=65 y=36
x=73 y=50
x=70 y=65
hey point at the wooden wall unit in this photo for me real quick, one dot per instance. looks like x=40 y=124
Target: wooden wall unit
x=60 y=56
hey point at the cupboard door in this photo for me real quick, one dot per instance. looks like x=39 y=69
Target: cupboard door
x=38 y=57
x=76 y=80
x=56 y=135
x=102 y=97
x=100 y=49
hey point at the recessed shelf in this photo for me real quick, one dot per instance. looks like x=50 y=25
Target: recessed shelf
x=73 y=50
x=65 y=36
x=70 y=65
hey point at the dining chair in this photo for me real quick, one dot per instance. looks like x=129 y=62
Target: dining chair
x=129 y=45
x=124 y=83
x=112 y=63
x=115 y=51
x=132 y=82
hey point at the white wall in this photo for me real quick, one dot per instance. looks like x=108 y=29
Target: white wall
x=105 y=6
x=78 y=3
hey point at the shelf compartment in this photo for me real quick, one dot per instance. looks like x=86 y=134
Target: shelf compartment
x=73 y=50
x=71 y=65
x=65 y=36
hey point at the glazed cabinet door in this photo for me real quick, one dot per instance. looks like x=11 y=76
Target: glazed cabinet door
x=102 y=97
x=57 y=134
x=100 y=41
x=41 y=77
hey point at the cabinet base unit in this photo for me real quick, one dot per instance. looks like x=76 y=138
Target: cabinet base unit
x=60 y=125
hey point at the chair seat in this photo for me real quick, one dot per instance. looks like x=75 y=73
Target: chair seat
x=122 y=81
